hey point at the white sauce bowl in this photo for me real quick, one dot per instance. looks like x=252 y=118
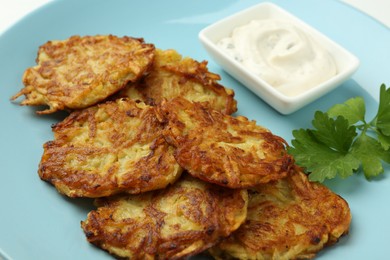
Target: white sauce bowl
x=346 y=62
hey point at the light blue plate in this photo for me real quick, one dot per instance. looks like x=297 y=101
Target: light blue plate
x=38 y=223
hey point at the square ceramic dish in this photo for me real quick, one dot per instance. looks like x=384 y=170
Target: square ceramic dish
x=346 y=63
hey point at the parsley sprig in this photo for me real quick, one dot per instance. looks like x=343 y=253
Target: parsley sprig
x=343 y=141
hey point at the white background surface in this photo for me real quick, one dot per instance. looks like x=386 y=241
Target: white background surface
x=12 y=10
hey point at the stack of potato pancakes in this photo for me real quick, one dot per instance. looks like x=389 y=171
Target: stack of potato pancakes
x=151 y=136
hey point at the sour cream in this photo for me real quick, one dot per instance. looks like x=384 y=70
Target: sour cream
x=282 y=54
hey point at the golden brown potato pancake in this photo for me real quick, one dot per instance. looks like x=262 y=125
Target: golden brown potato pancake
x=287 y=219
x=184 y=219
x=109 y=148
x=229 y=151
x=81 y=71
x=173 y=76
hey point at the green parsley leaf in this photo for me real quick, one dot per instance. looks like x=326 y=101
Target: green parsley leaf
x=353 y=110
x=336 y=134
x=384 y=140
x=383 y=115
x=338 y=146
x=320 y=160
x=370 y=153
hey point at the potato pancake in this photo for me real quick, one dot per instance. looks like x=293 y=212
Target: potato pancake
x=184 y=219
x=229 y=151
x=174 y=76
x=287 y=219
x=81 y=71
x=109 y=148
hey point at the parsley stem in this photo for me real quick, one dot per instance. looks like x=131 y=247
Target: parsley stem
x=360 y=127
